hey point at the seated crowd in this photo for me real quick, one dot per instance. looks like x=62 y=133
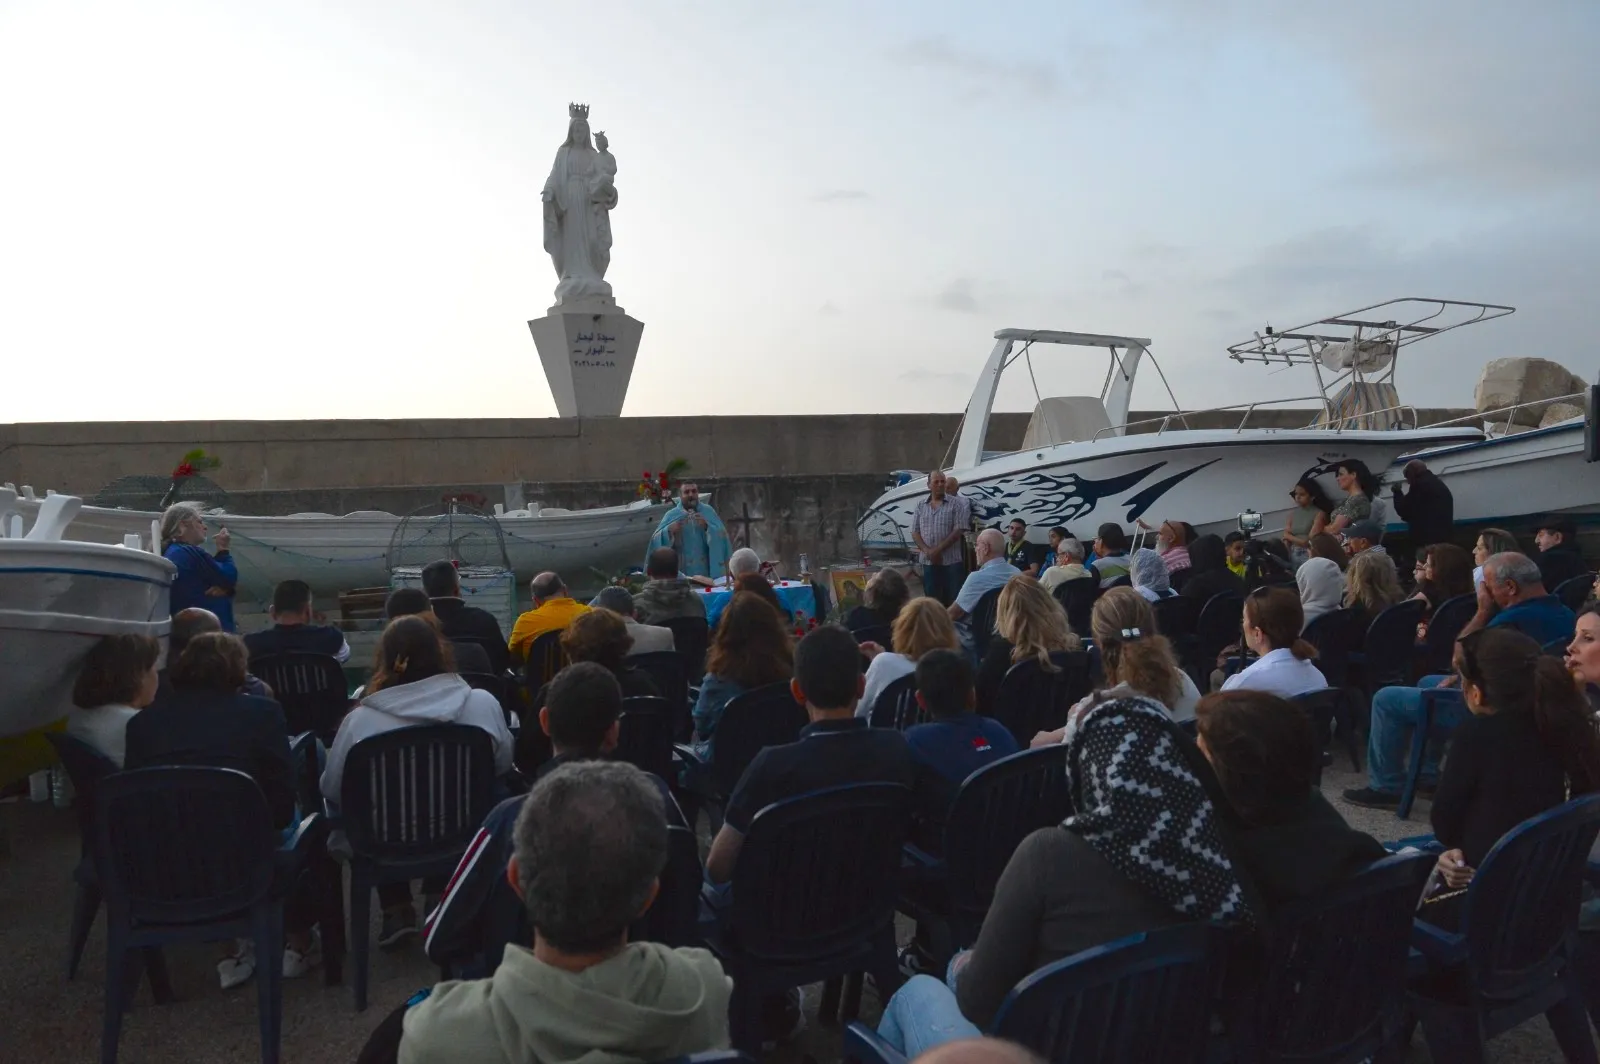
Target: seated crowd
x=1183 y=808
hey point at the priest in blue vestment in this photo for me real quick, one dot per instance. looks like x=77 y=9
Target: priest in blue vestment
x=693 y=529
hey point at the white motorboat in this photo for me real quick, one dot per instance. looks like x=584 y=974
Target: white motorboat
x=1506 y=477
x=1083 y=464
x=334 y=553
x=57 y=596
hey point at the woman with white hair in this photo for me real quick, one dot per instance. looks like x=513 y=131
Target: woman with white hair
x=204 y=581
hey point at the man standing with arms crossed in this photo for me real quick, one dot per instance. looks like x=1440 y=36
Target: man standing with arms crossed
x=937 y=528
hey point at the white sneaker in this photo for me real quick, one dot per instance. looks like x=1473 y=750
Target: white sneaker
x=240 y=968
x=296 y=964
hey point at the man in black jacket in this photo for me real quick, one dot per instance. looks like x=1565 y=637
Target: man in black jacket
x=1428 y=507
x=1558 y=558
x=458 y=620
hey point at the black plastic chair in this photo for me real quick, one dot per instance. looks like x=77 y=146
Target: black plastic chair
x=993 y=811
x=668 y=672
x=673 y=920
x=813 y=894
x=545 y=659
x=189 y=854
x=1334 y=977
x=981 y=623
x=85 y=767
x=644 y=735
x=1512 y=958
x=1031 y=700
x=1141 y=999
x=1386 y=650
x=410 y=801
x=1444 y=627
x=1077 y=598
x=751 y=722
x=1575 y=591
x=1336 y=635
x=1176 y=618
x=1324 y=707
x=1442 y=712
x=690 y=638
x=499 y=686
x=311 y=688
x=896 y=705
x=1217 y=627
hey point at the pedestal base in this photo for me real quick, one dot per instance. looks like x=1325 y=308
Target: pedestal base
x=587 y=349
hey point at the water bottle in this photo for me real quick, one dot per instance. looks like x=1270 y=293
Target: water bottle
x=805 y=567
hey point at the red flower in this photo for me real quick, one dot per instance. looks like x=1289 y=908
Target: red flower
x=663 y=482
x=184 y=470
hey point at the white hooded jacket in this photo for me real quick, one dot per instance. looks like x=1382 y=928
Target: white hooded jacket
x=442 y=699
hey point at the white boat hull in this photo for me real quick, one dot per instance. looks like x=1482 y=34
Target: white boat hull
x=1204 y=477
x=335 y=554
x=1535 y=472
x=56 y=599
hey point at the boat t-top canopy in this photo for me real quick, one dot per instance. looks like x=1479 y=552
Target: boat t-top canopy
x=1390 y=326
x=1115 y=393
x=1359 y=350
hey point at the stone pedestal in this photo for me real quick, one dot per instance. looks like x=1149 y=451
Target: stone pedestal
x=588 y=350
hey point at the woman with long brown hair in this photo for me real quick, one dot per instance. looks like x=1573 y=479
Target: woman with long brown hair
x=1137 y=660
x=1030 y=625
x=1529 y=743
x=413 y=682
x=1443 y=571
x=750 y=648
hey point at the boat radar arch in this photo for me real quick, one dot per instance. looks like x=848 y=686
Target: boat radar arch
x=1117 y=393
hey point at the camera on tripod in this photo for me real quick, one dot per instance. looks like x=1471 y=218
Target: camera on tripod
x=1261 y=564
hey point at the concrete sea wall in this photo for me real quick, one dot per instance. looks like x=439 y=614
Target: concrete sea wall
x=786 y=484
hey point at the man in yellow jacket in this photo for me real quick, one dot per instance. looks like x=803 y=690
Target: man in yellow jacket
x=553 y=609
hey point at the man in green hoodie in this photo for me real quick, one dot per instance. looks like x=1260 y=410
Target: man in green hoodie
x=594 y=835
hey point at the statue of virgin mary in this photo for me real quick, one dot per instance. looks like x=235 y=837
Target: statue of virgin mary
x=578 y=198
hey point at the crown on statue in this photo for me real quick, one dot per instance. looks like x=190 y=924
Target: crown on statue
x=578 y=110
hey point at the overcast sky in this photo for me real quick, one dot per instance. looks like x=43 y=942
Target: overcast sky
x=299 y=209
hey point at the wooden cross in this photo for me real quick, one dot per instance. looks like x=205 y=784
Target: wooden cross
x=744 y=522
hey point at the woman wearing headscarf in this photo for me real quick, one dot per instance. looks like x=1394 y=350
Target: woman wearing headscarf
x=1144 y=849
x=1321 y=587
x=1208 y=559
x=1149 y=575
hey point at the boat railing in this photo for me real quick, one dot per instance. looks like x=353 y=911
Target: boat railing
x=1487 y=417
x=1165 y=421
x=1579 y=399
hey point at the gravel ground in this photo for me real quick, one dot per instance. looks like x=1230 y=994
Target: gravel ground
x=44 y=1018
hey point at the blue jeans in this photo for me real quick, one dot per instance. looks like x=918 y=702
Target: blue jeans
x=922 y=1015
x=1396 y=714
x=943 y=582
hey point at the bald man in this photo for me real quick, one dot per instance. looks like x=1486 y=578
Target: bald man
x=186 y=624
x=992 y=573
x=937 y=528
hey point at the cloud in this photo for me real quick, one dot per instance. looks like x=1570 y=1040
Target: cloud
x=841 y=195
x=1473 y=94
x=957 y=296
x=980 y=75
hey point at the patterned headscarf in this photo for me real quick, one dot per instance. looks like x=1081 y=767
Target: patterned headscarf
x=1144 y=810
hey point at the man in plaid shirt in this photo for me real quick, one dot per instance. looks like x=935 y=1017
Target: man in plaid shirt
x=940 y=522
